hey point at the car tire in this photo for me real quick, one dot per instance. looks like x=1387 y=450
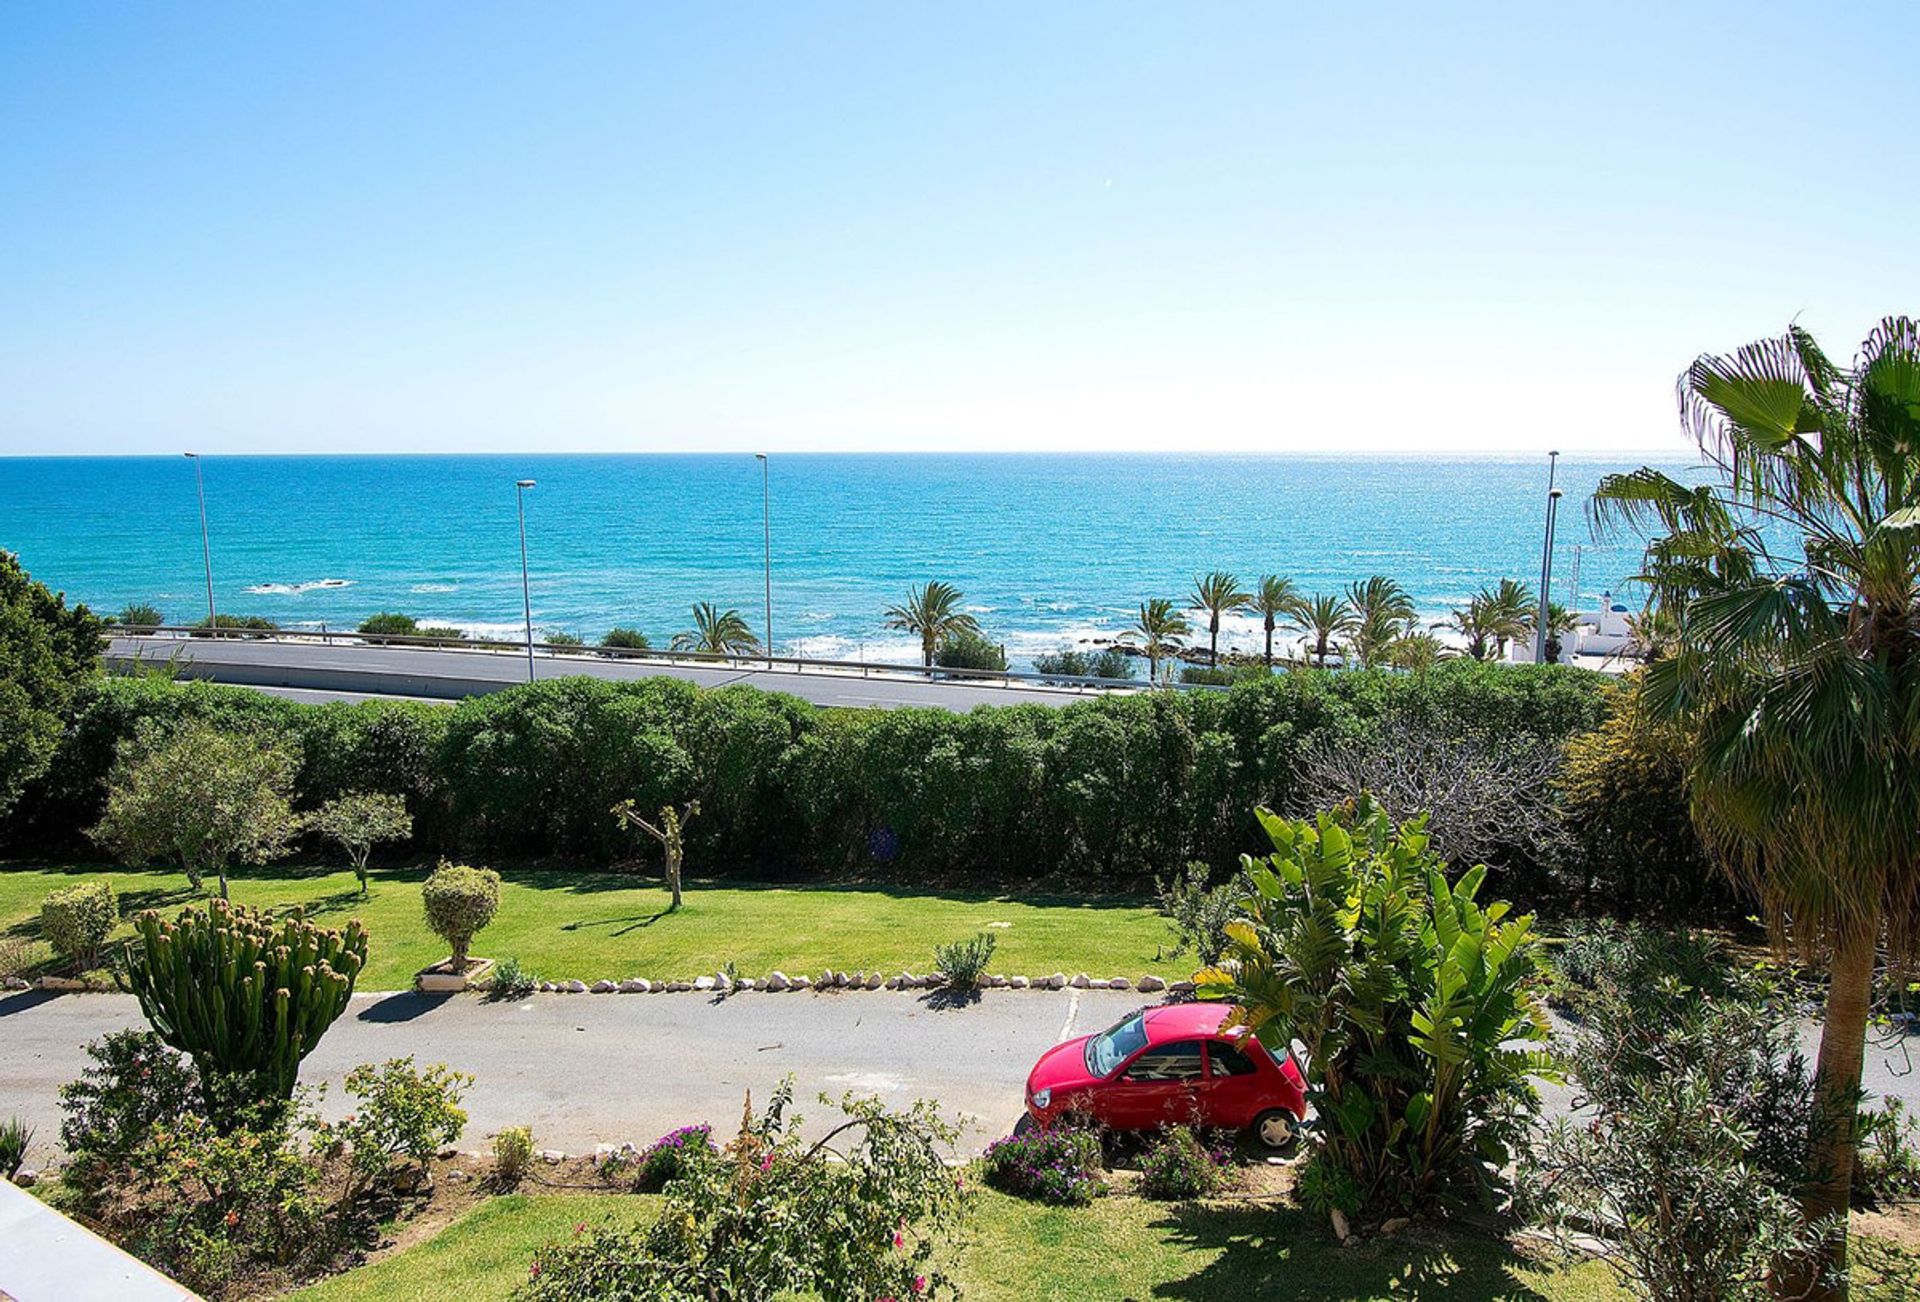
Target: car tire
x=1274 y=1130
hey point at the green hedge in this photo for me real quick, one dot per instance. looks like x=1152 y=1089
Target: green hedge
x=1118 y=788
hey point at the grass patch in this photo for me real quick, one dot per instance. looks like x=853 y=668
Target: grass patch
x=1118 y=1248
x=586 y=925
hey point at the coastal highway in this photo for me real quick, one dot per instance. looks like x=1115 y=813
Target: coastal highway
x=313 y=670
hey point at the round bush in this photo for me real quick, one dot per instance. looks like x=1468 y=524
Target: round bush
x=77 y=921
x=459 y=901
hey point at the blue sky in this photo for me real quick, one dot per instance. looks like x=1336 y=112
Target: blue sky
x=468 y=226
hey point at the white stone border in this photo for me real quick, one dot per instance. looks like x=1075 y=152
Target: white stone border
x=777 y=982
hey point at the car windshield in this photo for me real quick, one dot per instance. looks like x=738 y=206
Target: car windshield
x=1114 y=1046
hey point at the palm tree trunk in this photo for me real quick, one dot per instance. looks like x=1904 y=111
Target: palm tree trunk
x=1213 y=642
x=1269 y=644
x=1843 y=1039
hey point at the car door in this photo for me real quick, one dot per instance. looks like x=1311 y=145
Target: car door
x=1235 y=1091
x=1160 y=1086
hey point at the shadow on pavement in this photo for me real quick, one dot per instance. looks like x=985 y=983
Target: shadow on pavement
x=403 y=1007
x=946 y=997
x=25 y=1000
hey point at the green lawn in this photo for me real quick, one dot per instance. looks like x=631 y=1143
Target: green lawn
x=1118 y=1248
x=585 y=925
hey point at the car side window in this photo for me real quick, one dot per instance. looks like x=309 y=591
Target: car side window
x=1179 y=1061
x=1230 y=1061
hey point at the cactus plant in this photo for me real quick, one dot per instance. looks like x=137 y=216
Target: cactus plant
x=245 y=995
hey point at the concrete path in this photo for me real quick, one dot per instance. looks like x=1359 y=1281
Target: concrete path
x=354 y=670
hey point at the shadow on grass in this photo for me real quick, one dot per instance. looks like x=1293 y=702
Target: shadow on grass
x=631 y=923
x=402 y=1007
x=1286 y=1252
x=584 y=882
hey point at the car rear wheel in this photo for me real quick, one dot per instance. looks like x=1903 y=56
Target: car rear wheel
x=1274 y=1129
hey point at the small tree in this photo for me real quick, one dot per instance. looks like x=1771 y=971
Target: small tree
x=669 y=832
x=201 y=797
x=77 y=921
x=359 y=820
x=460 y=901
x=47 y=650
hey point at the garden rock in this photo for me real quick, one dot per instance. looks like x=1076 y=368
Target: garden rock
x=778 y=981
x=604 y=987
x=1081 y=982
x=1058 y=981
x=1182 y=987
x=574 y=987
x=723 y=983
x=803 y=983
x=26 y=1177
x=636 y=986
x=1119 y=983
x=1151 y=983
x=703 y=983
x=873 y=981
x=1018 y=983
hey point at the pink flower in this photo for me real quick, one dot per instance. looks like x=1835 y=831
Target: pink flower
x=919 y=1283
x=899 y=1239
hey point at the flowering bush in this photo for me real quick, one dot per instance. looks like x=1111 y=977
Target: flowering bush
x=512 y=1154
x=403 y=1114
x=1059 y=1165
x=681 y=1152
x=134 y=1084
x=863 y=1213
x=1180 y=1164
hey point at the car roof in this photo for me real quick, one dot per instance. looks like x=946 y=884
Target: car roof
x=1183 y=1021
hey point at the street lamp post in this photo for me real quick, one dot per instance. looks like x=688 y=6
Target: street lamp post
x=766 y=545
x=1546 y=562
x=520 y=488
x=206 y=545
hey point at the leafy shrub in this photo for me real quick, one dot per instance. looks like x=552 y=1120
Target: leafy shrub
x=1325 y=1186
x=391 y=622
x=202 y=982
x=1061 y=1165
x=15 y=1136
x=448 y=633
x=1702 y=1118
x=512 y=1155
x=970 y=650
x=964 y=962
x=220 y=1199
x=133 y=1084
x=559 y=637
x=1179 y=1164
x=77 y=920
x=676 y=1154
x=1886 y=1167
x=1623 y=791
x=459 y=902
x=18 y=956
x=48 y=650
x=630 y=639
x=139 y=614
x=1199 y=913
x=1413 y=1001
x=402 y=1114
x=233 y=626
x=510 y=980
x=358 y=820
x=1603 y=964
x=775 y=1217
x=1223 y=675
x=1070 y=663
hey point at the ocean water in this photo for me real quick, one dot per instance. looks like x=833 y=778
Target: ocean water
x=1050 y=550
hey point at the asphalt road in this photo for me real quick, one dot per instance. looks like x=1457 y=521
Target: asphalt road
x=352 y=670
x=590 y=1069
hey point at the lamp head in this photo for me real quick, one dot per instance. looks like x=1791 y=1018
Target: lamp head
x=191 y=456
x=1555 y=493
x=523 y=483
x=759 y=456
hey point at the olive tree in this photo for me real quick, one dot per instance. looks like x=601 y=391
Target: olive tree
x=200 y=797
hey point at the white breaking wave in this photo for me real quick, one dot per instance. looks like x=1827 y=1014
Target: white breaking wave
x=434 y=587
x=295 y=589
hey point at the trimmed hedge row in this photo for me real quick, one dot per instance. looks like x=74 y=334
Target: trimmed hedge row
x=1120 y=787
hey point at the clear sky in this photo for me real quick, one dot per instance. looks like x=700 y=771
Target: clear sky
x=900 y=226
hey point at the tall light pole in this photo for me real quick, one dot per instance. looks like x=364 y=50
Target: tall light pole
x=766 y=545
x=520 y=488
x=1546 y=562
x=206 y=546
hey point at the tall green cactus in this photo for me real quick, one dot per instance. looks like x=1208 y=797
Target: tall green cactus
x=245 y=995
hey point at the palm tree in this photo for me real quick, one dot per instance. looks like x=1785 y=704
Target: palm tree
x=1560 y=621
x=1471 y=623
x=716 y=632
x=1510 y=611
x=1216 y=593
x=933 y=611
x=1275 y=598
x=1417 y=651
x=1322 y=617
x=1790 y=579
x=1383 y=613
x=1162 y=629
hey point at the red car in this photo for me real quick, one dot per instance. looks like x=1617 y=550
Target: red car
x=1167 y=1066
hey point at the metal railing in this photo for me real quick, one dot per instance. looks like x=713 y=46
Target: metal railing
x=1005 y=678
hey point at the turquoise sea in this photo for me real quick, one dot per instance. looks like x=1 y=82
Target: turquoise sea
x=1049 y=549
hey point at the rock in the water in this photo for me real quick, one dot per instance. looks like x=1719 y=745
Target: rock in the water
x=1152 y=983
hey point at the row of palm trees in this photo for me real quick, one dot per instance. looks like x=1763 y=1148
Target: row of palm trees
x=1374 y=622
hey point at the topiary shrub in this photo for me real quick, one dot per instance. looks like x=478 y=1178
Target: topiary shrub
x=459 y=902
x=77 y=921
x=245 y=995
